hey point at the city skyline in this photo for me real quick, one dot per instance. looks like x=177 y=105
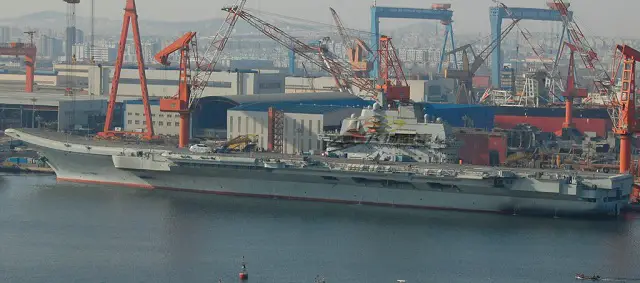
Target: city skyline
x=470 y=16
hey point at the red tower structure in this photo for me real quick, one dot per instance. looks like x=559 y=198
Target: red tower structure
x=275 y=130
x=626 y=104
x=130 y=17
x=390 y=66
x=28 y=50
x=572 y=91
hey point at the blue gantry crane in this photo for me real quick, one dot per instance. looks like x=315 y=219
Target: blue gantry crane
x=500 y=12
x=441 y=12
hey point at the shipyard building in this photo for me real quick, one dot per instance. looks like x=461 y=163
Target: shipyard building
x=96 y=79
x=424 y=90
x=306 y=116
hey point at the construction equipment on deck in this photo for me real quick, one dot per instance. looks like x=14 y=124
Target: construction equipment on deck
x=130 y=17
x=239 y=143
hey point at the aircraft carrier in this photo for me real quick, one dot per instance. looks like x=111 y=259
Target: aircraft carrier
x=373 y=177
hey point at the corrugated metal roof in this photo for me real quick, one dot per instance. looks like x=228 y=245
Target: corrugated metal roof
x=296 y=107
x=297 y=97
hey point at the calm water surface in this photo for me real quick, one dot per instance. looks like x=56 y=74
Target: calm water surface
x=78 y=233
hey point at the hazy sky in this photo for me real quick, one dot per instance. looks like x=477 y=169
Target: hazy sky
x=471 y=16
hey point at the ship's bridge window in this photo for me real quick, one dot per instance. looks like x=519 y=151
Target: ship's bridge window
x=137 y=122
x=129 y=122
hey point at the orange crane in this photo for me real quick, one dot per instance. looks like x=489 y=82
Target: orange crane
x=178 y=103
x=191 y=85
x=572 y=91
x=356 y=49
x=130 y=17
x=29 y=52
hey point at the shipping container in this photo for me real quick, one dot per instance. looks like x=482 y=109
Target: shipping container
x=482 y=82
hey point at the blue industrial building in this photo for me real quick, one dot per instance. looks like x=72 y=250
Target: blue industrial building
x=462 y=115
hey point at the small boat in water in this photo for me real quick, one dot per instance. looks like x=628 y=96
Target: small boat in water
x=581 y=276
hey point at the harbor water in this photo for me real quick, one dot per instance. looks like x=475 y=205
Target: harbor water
x=52 y=232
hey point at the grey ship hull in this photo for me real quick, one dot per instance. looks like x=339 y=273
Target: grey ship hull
x=94 y=165
x=99 y=169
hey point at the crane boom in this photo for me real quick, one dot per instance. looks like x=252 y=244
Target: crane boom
x=603 y=82
x=205 y=66
x=538 y=51
x=333 y=65
x=347 y=41
x=355 y=48
x=163 y=56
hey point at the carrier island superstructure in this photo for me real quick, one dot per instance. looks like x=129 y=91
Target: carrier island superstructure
x=394 y=157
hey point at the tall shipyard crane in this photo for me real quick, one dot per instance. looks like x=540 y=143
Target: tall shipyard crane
x=552 y=74
x=193 y=83
x=625 y=104
x=339 y=69
x=603 y=82
x=130 y=17
x=391 y=68
x=465 y=76
x=179 y=102
x=622 y=106
x=356 y=49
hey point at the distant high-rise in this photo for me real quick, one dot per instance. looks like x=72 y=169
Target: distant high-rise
x=5 y=34
x=43 y=45
x=79 y=36
x=71 y=28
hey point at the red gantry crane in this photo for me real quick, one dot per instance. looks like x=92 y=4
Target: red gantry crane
x=130 y=17
x=193 y=83
x=28 y=50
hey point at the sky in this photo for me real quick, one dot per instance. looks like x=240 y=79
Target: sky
x=595 y=17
